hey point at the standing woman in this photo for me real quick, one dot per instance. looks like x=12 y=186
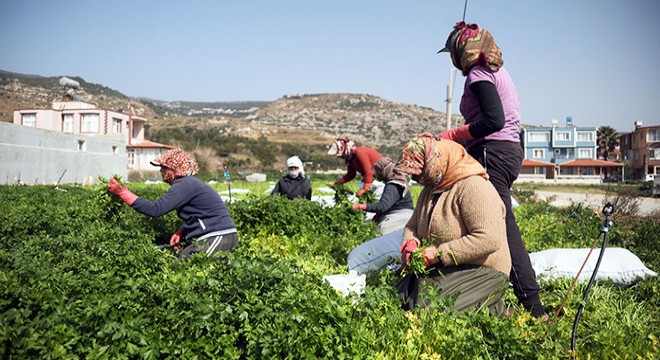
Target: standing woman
x=358 y=159
x=207 y=223
x=491 y=109
x=395 y=205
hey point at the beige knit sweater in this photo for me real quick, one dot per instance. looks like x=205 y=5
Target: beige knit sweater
x=467 y=225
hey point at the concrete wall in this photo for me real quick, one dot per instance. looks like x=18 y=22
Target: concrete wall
x=40 y=156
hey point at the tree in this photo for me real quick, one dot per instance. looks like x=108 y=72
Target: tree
x=607 y=141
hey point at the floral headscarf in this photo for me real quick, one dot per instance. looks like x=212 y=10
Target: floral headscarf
x=438 y=163
x=178 y=160
x=469 y=45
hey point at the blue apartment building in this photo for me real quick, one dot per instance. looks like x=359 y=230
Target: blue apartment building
x=568 y=152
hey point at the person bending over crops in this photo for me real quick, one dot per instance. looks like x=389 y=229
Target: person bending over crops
x=294 y=184
x=457 y=229
x=395 y=205
x=207 y=223
x=358 y=159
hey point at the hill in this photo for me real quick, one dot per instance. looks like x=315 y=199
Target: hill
x=303 y=124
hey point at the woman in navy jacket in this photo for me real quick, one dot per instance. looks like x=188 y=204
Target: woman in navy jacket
x=207 y=223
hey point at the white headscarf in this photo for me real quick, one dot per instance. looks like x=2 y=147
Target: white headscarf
x=294 y=161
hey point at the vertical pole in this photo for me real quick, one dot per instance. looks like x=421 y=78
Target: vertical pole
x=449 y=92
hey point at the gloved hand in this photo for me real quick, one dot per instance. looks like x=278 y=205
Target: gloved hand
x=364 y=189
x=406 y=248
x=457 y=134
x=430 y=256
x=176 y=238
x=332 y=183
x=120 y=190
x=361 y=207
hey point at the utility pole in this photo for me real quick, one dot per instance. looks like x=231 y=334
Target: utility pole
x=448 y=101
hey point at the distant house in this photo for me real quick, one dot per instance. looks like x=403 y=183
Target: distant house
x=82 y=118
x=641 y=150
x=565 y=153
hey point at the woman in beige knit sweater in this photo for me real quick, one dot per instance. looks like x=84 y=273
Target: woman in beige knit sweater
x=459 y=222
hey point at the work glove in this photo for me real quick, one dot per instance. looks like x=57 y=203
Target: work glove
x=430 y=256
x=361 y=207
x=332 y=183
x=176 y=238
x=457 y=134
x=120 y=190
x=406 y=248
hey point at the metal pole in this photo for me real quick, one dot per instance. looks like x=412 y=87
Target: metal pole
x=449 y=93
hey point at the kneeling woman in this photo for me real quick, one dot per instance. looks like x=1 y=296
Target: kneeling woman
x=207 y=223
x=460 y=220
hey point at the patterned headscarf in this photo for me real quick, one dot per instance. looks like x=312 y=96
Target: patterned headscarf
x=178 y=160
x=436 y=162
x=469 y=45
x=385 y=171
x=342 y=147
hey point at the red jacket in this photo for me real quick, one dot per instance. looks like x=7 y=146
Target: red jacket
x=362 y=161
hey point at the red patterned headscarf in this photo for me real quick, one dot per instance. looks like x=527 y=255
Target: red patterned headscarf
x=438 y=163
x=178 y=160
x=469 y=45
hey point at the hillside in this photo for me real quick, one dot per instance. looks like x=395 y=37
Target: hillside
x=261 y=133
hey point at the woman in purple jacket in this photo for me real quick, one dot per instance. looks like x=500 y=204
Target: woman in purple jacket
x=207 y=223
x=491 y=109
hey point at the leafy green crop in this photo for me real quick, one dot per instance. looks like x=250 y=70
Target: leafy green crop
x=80 y=281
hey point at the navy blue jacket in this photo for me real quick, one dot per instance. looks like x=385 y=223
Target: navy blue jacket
x=391 y=199
x=195 y=202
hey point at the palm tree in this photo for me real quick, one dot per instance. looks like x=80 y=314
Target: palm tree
x=607 y=140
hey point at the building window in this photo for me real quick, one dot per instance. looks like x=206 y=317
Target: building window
x=563 y=136
x=131 y=158
x=67 y=123
x=539 y=137
x=82 y=145
x=538 y=154
x=115 y=149
x=653 y=135
x=584 y=153
x=116 y=126
x=585 y=136
x=569 y=153
x=90 y=123
x=654 y=154
x=30 y=120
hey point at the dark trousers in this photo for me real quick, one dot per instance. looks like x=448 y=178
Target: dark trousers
x=502 y=160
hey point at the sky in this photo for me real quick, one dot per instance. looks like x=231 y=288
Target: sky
x=592 y=60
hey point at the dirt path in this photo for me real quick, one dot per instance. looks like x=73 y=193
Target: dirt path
x=647 y=206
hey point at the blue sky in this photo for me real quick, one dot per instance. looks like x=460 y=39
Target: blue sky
x=594 y=61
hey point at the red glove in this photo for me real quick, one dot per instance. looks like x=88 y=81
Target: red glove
x=176 y=238
x=457 y=134
x=406 y=248
x=362 y=207
x=430 y=255
x=120 y=190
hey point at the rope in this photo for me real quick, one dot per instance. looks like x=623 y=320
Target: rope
x=568 y=293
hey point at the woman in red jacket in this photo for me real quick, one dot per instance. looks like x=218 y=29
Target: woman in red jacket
x=358 y=159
